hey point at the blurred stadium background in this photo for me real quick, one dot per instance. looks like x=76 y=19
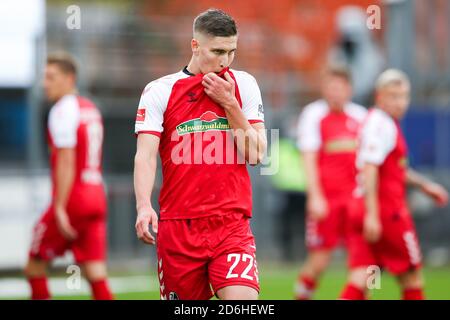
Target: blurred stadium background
x=122 y=45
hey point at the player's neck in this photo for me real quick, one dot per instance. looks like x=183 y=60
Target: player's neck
x=385 y=110
x=192 y=67
x=336 y=109
x=71 y=91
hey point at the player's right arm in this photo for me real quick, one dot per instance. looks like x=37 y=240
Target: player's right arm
x=309 y=141
x=145 y=162
x=148 y=128
x=316 y=204
x=372 y=224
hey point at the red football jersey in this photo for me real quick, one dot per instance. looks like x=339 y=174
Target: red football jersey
x=333 y=135
x=203 y=174
x=383 y=144
x=75 y=122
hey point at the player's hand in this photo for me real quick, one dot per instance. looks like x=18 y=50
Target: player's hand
x=145 y=218
x=436 y=192
x=317 y=207
x=220 y=90
x=372 y=228
x=63 y=224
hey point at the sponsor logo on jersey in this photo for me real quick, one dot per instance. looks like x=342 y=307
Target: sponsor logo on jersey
x=341 y=145
x=260 y=110
x=208 y=121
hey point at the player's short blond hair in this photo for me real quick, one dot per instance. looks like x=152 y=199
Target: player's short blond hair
x=391 y=76
x=64 y=61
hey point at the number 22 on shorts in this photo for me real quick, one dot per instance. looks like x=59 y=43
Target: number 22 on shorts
x=236 y=258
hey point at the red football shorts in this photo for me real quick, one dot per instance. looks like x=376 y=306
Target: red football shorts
x=197 y=257
x=329 y=232
x=90 y=245
x=397 y=250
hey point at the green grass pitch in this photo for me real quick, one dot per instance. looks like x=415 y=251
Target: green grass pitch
x=277 y=284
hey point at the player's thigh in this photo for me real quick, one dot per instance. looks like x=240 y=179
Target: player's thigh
x=235 y=261
x=325 y=233
x=94 y=270
x=358 y=276
x=237 y=292
x=182 y=262
x=319 y=258
x=47 y=242
x=360 y=254
x=182 y=278
x=399 y=245
x=91 y=244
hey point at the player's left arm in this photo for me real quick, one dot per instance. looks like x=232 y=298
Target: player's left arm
x=434 y=190
x=251 y=139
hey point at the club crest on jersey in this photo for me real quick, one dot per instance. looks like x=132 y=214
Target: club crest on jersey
x=206 y=122
x=192 y=97
x=403 y=162
x=140 y=115
x=173 y=296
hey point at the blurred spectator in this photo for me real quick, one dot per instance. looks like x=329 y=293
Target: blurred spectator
x=356 y=48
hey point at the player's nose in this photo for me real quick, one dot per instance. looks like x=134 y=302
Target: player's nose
x=223 y=62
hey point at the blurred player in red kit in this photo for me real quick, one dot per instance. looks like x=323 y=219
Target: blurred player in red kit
x=76 y=217
x=381 y=229
x=327 y=138
x=204 y=242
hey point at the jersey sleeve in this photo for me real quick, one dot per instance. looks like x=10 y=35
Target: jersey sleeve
x=150 y=112
x=356 y=111
x=63 y=122
x=378 y=138
x=308 y=129
x=252 y=105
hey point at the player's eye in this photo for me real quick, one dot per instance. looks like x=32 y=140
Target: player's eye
x=219 y=52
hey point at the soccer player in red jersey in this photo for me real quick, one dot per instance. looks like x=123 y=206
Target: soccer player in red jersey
x=207 y=123
x=381 y=230
x=327 y=138
x=76 y=217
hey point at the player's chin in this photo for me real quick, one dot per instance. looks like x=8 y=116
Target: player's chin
x=48 y=96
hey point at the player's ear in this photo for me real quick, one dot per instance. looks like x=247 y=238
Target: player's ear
x=73 y=78
x=195 y=46
x=377 y=96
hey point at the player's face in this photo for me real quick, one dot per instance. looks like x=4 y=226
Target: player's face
x=214 y=53
x=394 y=99
x=336 y=90
x=56 y=82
